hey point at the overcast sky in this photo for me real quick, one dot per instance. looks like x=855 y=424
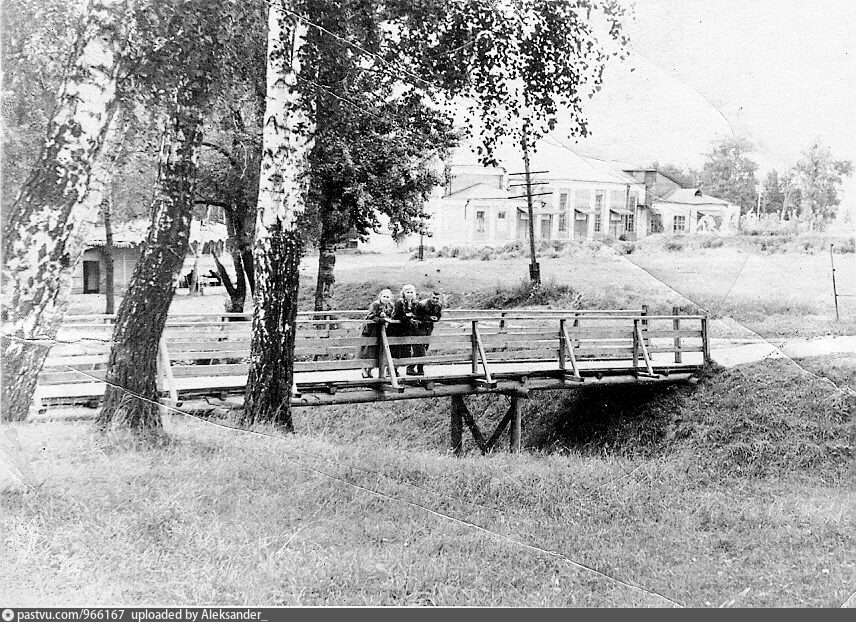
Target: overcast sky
x=781 y=72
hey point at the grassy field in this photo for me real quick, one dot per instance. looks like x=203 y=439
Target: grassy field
x=773 y=294
x=737 y=491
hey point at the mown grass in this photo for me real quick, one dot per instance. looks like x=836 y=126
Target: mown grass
x=734 y=491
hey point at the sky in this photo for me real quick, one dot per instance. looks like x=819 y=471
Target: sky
x=779 y=72
x=782 y=73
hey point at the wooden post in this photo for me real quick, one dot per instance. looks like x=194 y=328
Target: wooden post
x=457 y=425
x=676 y=324
x=502 y=322
x=475 y=353
x=705 y=341
x=393 y=377
x=516 y=425
x=562 y=344
x=635 y=344
x=645 y=323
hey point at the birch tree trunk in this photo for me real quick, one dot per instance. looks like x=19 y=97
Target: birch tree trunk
x=326 y=265
x=45 y=237
x=131 y=398
x=286 y=143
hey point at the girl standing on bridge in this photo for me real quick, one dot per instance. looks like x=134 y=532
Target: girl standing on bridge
x=379 y=311
x=405 y=314
x=427 y=312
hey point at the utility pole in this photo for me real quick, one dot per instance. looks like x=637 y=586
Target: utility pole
x=534 y=266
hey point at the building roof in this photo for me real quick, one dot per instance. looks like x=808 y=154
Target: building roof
x=690 y=196
x=651 y=169
x=553 y=156
x=483 y=191
x=133 y=233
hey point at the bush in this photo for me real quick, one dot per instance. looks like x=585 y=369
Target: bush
x=848 y=246
x=712 y=242
x=673 y=246
x=625 y=248
x=524 y=294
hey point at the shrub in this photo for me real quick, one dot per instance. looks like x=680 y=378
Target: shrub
x=625 y=248
x=848 y=246
x=712 y=242
x=674 y=246
x=522 y=294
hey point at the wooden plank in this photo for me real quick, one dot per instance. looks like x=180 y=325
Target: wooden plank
x=76 y=360
x=72 y=377
x=481 y=354
x=393 y=375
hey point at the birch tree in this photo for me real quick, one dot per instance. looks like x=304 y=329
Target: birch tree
x=199 y=44
x=518 y=62
x=44 y=237
x=287 y=140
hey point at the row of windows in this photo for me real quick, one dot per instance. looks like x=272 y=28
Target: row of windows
x=627 y=222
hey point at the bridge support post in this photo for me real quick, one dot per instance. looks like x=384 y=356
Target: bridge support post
x=457 y=425
x=516 y=425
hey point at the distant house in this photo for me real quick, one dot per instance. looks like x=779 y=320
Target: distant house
x=689 y=210
x=575 y=197
x=671 y=208
x=89 y=277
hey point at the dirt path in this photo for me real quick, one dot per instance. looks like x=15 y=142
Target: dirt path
x=728 y=354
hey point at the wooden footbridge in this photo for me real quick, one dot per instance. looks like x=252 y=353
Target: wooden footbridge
x=470 y=352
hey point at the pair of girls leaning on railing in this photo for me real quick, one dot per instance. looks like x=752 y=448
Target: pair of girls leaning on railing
x=404 y=317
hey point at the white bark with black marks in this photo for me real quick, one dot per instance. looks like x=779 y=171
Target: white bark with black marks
x=44 y=239
x=286 y=143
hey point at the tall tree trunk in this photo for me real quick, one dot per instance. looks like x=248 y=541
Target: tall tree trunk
x=326 y=265
x=286 y=143
x=131 y=398
x=107 y=253
x=44 y=238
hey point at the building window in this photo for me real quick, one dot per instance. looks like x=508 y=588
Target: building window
x=679 y=224
x=480 y=224
x=500 y=216
x=598 y=200
x=655 y=223
x=563 y=201
x=629 y=222
x=597 y=222
x=563 y=221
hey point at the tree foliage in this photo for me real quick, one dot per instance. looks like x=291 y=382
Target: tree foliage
x=686 y=177
x=515 y=63
x=818 y=177
x=729 y=173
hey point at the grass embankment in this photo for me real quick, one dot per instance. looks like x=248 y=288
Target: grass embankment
x=733 y=491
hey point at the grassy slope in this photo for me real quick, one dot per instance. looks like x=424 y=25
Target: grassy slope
x=737 y=488
x=778 y=294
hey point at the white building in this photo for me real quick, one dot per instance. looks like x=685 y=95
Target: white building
x=574 y=198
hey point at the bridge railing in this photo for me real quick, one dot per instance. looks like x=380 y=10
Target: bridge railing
x=213 y=355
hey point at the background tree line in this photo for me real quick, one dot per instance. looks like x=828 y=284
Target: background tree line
x=809 y=191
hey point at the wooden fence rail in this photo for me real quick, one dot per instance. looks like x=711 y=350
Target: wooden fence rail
x=479 y=349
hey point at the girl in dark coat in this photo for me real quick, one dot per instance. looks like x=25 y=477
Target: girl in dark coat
x=427 y=312
x=379 y=311
x=404 y=314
